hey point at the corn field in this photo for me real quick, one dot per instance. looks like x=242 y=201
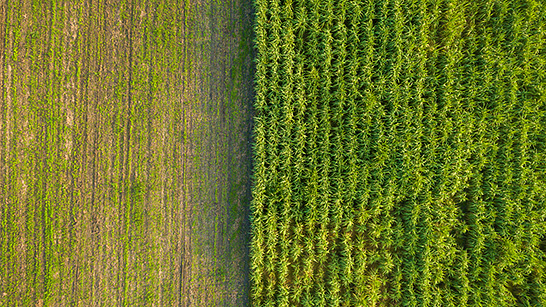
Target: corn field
x=400 y=153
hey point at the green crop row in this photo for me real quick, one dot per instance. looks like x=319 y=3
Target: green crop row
x=399 y=153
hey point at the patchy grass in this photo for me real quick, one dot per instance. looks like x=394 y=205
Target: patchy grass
x=124 y=165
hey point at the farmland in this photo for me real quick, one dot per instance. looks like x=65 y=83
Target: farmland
x=400 y=153
x=124 y=152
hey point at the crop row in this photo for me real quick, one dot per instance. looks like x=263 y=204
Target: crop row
x=399 y=153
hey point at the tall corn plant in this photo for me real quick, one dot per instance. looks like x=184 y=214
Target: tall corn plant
x=399 y=153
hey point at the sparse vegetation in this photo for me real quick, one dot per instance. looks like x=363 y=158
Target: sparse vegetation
x=124 y=152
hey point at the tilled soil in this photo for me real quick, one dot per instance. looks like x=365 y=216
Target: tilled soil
x=125 y=156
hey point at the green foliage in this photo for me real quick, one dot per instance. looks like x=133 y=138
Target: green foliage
x=400 y=153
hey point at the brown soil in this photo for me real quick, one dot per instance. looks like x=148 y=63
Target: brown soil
x=125 y=153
